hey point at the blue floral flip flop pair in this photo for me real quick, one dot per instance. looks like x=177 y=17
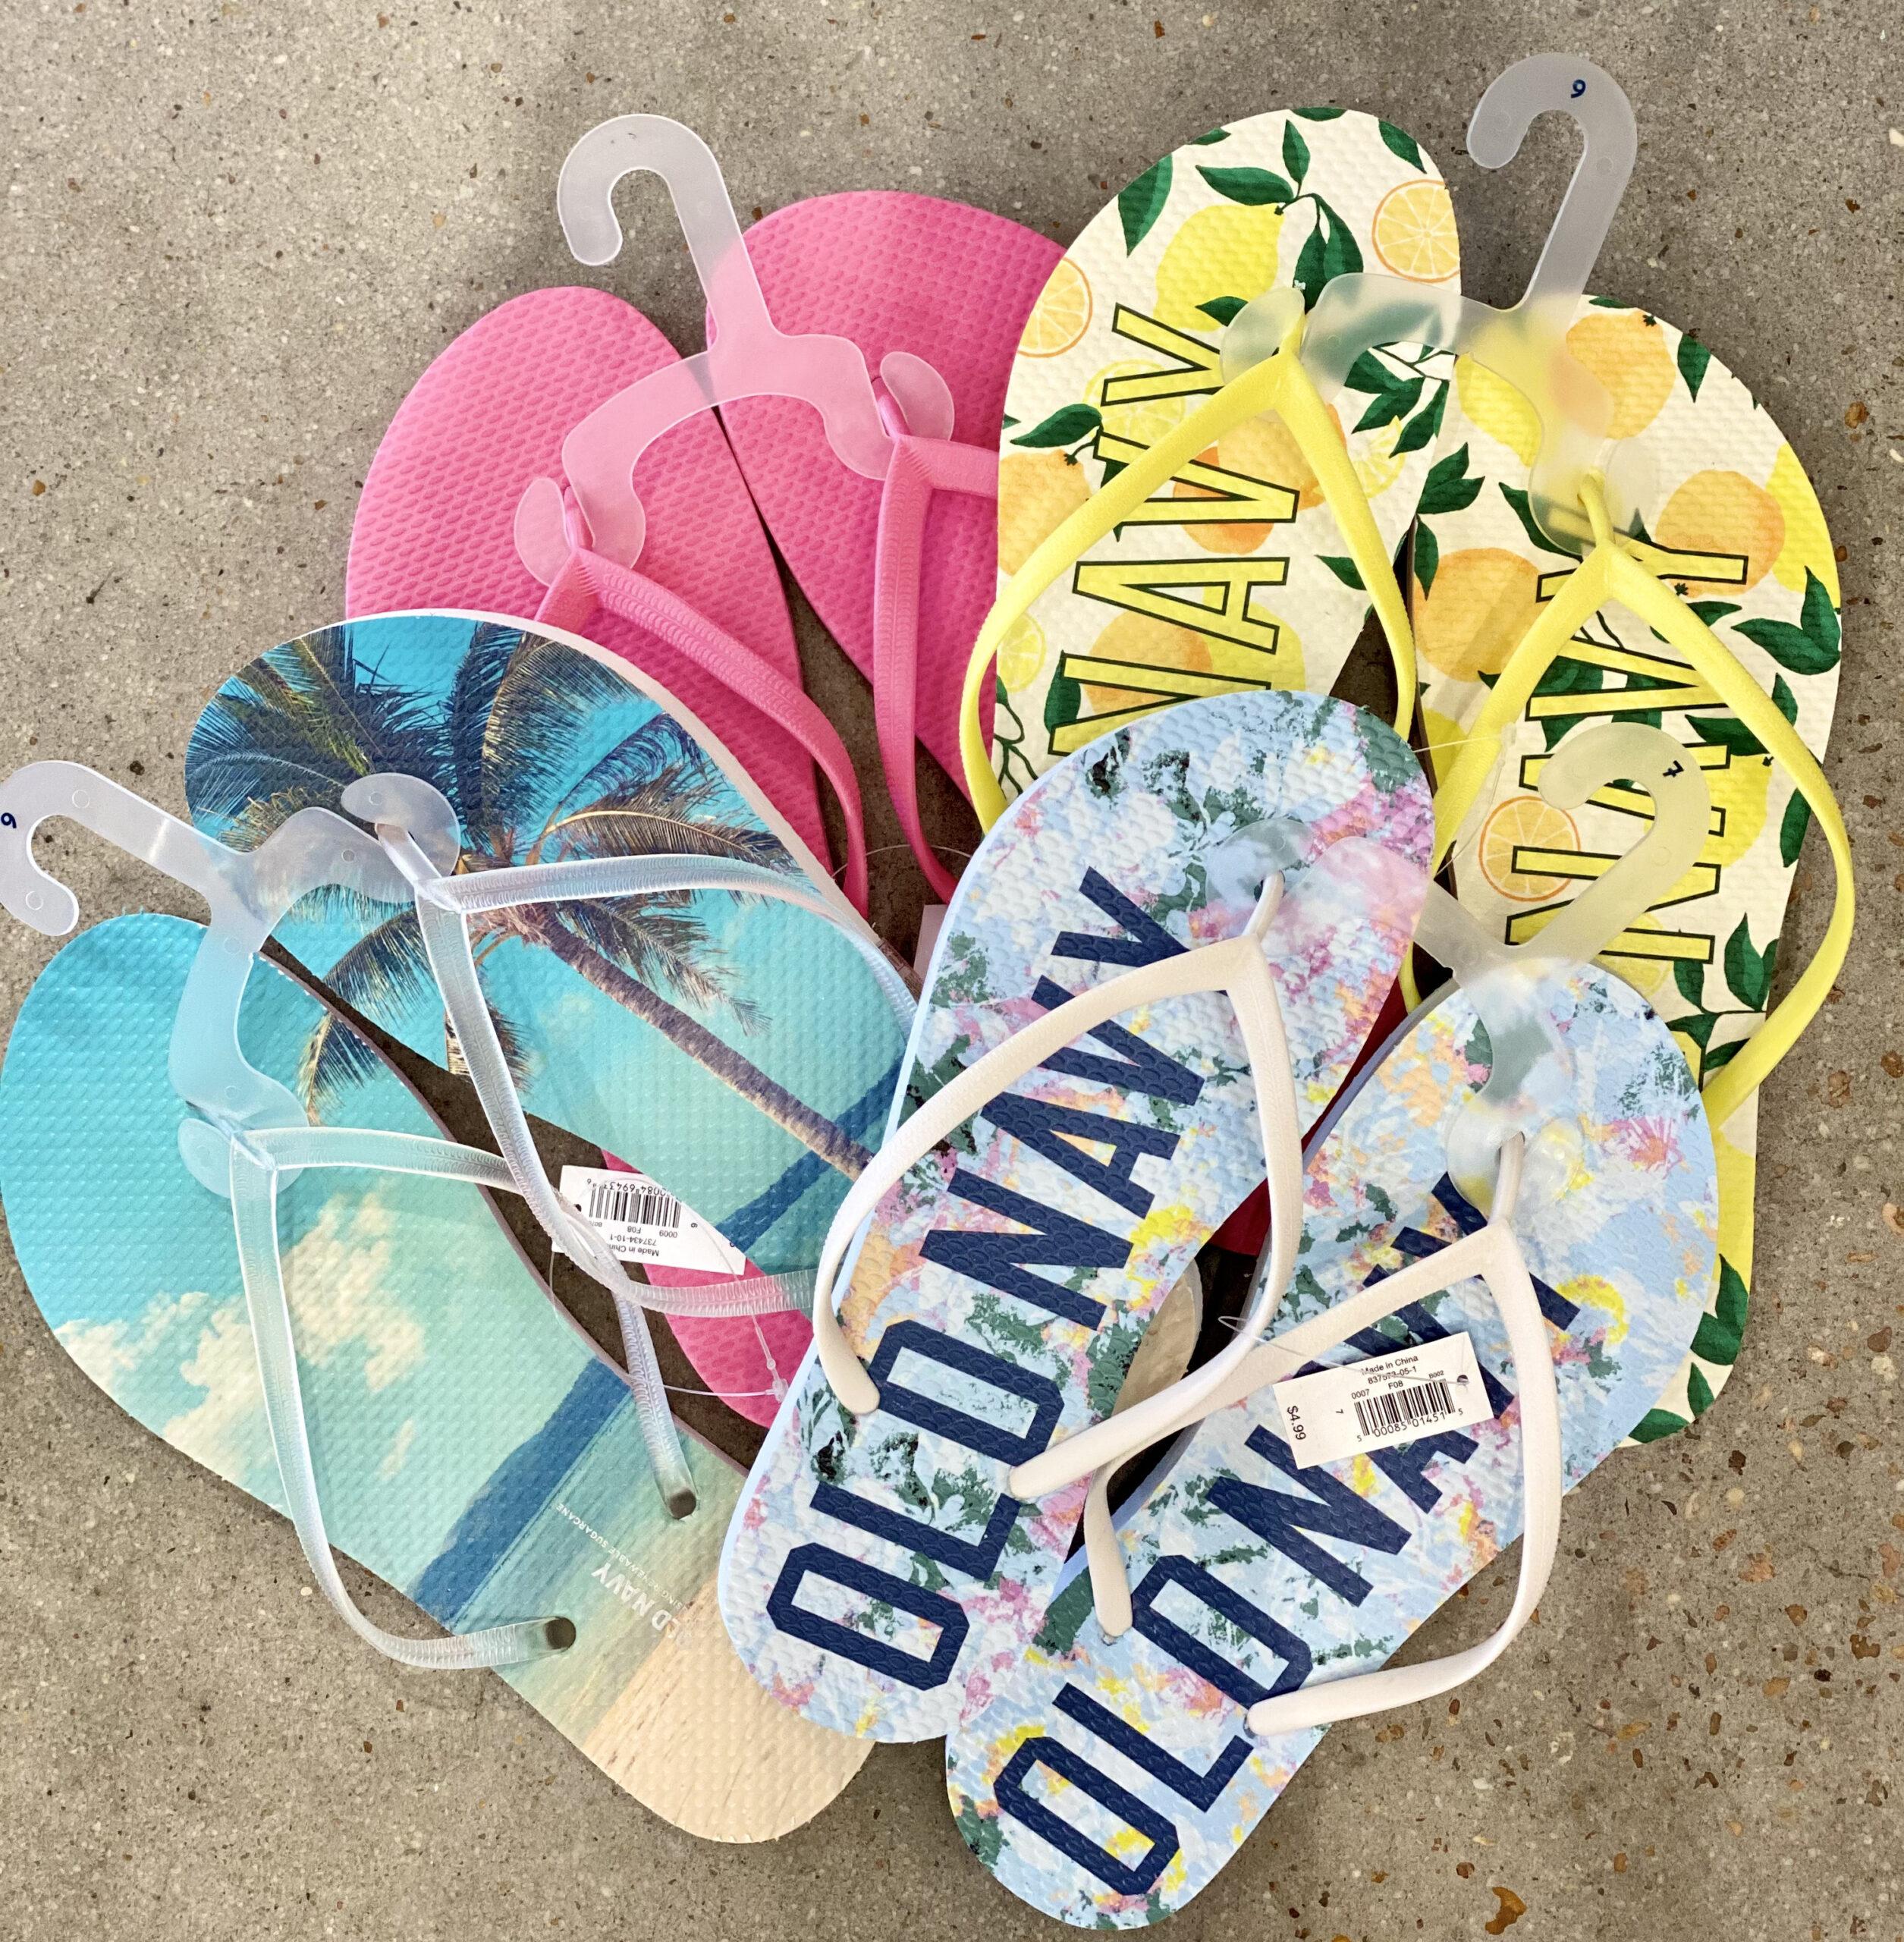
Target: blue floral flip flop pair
x=899 y=1566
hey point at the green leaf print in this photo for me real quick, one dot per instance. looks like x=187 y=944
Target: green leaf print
x=1426 y=556
x=1791 y=827
x=984 y=1834
x=1223 y=309
x=1254 y=188
x=1387 y=406
x=1066 y=426
x=1140 y=202
x=1691 y=979
x=1524 y=511
x=1694 y=358
x=1722 y=1332
x=1749 y=973
x=1713 y=611
x=1063 y=701
x=1295 y=153
x=1367 y=374
x=1655 y=1424
x=1818 y=618
x=1214 y=135
x=1401 y=143
x=1345 y=570
x=1698 y=1392
x=1448 y=488
x=1320 y=113
x=1309 y=275
x=1791 y=647
x=1341 y=254
x=1424 y=425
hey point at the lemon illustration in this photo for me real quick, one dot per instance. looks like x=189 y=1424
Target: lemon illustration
x=1724 y=512
x=1225 y=251
x=1497 y=408
x=1626 y=351
x=1021 y=655
x=1740 y=789
x=1380 y=465
x=1442 y=733
x=1414 y=233
x=1263 y=449
x=1484 y=599
x=1143 y=421
x=1529 y=821
x=1806 y=543
x=1150 y=643
x=1061 y=316
x=1037 y=492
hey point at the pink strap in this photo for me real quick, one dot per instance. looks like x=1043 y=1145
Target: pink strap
x=920 y=468
x=587 y=580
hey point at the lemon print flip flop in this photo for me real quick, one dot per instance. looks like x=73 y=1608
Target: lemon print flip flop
x=1707 y=603
x=1264 y=522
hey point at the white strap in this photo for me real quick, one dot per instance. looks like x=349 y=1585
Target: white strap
x=1235 y=966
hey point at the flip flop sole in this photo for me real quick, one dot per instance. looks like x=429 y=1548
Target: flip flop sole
x=473 y=1447
x=1106 y=1781
x=877 y=1567
x=1736 y=524
x=1249 y=585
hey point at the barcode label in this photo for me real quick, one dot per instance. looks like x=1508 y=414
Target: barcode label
x=1421 y=1406
x=1373 y=1405
x=642 y=1222
x=611 y=1202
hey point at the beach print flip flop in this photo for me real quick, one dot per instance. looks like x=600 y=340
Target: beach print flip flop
x=878 y=495
x=1707 y=603
x=739 y=1050
x=699 y=609
x=1105 y=1779
x=369 y=1352
x=1056 y=1174
x=1163 y=533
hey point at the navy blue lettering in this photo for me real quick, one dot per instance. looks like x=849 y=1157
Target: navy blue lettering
x=1053 y=1131
x=1136 y=1067
x=1147 y=940
x=1055 y=1240
x=833 y=1567
x=992 y=1439
x=1069 y=1765
x=1210 y=1591
x=1201 y=1790
x=1335 y=1511
x=976 y=1560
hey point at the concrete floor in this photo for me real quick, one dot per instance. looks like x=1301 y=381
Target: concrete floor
x=234 y=233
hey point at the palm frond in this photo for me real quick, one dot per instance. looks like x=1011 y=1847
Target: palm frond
x=337 y=1058
x=666 y=949
x=384 y=970
x=659 y=745
x=659 y=816
x=465 y=717
x=550 y=700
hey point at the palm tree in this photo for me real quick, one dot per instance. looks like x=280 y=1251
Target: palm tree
x=307 y=718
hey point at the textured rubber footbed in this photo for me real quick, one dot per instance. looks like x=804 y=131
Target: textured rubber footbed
x=1706 y=471
x=1236 y=574
x=666 y=1031
x=435 y=526
x=892 y=272
x=1106 y=1781
x=472 y=1447
x=877 y=1571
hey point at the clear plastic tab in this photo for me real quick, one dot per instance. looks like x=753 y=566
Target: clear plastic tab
x=747 y=356
x=1527 y=344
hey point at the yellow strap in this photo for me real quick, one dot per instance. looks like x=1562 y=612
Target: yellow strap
x=1278 y=384
x=1609 y=573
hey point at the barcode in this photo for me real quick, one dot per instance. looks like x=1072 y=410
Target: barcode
x=1409 y=1408
x=633 y=1203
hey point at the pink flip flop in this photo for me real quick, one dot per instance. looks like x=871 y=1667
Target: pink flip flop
x=703 y=614
x=881 y=500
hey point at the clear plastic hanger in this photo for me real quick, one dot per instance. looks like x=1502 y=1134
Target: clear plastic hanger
x=1526 y=344
x=747 y=357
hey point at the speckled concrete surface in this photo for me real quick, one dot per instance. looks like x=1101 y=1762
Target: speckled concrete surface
x=233 y=235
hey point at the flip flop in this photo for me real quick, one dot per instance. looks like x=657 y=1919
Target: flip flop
x=701 y=612
x=1106 y=1779
x=452 y=1432
x=1167 y=528
x=879 y=501
x=734 y=1049
x=1708 y=603
x=877 y=1571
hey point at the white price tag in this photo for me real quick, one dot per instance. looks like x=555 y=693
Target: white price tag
x=1387 y=1399
x=642 y=1222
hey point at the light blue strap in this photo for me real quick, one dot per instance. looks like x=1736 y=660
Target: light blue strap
x=256 y=1160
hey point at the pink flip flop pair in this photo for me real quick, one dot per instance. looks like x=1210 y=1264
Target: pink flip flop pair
x=526 y=475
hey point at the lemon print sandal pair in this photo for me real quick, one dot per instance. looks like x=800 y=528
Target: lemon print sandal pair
x=1163 y=533
x=300 y=1283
